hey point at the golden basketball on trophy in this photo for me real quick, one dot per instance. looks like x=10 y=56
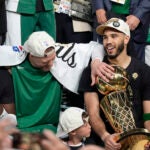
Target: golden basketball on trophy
x=117 y=108
x=119 y=82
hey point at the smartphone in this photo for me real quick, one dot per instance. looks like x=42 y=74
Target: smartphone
x=27 y=141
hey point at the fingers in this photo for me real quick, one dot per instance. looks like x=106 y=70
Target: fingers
x=6 y=124
x=7 y=127
x=50 y=136
x=132 y=21
x=101 y=69
x=111 y=144
x=101 y=16
x=105 y=74
x=47 y=145
x=116 y=137
x=106 y=68
x=93 y=79
x=53 y=143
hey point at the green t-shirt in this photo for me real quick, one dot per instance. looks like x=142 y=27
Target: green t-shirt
x=121 y=8
x=37 y=98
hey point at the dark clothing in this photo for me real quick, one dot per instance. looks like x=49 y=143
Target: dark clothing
x=76 y=147
x=139 y=74
x=3 y=25
x=39 y=6
x=135 y=6
x=80 y=145
x=138 y=8
x=65 y=33
x=6 y=87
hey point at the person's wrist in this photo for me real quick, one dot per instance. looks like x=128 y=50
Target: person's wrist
x=96 y=60
x=104 y=136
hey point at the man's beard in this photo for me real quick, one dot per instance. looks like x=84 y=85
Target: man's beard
x=119 y=50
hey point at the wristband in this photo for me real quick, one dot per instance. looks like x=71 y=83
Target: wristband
x=146 y=116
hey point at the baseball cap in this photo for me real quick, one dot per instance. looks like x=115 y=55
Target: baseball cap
x=114 y=23
x=69 y=120
x=38 y=42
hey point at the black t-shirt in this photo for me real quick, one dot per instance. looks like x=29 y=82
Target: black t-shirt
x=6 y=87
x=39 y=6
x=2 y=17
x=76 y=147
x=3 y=22
x=138 y=75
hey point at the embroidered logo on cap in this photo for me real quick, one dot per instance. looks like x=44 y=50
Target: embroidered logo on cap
x=17 y=48
x=116 y=24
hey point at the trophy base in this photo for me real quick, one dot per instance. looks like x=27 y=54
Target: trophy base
x=135 y=139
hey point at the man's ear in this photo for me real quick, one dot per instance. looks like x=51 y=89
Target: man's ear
x=126 y=40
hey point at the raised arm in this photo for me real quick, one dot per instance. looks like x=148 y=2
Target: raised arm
x=99 y=68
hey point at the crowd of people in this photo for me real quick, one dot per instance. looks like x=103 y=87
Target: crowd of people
x=56 y=53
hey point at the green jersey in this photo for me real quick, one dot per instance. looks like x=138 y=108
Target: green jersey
x=37 y=98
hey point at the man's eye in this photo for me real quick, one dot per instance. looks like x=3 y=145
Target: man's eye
x=114 y=36
x=104 y=37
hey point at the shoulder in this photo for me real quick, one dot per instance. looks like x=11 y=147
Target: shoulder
x=85 y=80
x=86 y=73
x=138 y=64
x=139 y=68
x=4 y=74
x=96 y=44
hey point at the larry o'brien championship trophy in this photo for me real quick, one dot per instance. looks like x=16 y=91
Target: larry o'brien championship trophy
x=117 y=108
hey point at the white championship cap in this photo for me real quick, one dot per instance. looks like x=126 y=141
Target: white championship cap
x=114 y=23
x=11 y=55
x=70 y=120
x=38 y=42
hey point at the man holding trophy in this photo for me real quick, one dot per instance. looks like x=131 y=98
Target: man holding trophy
x=119 y=110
